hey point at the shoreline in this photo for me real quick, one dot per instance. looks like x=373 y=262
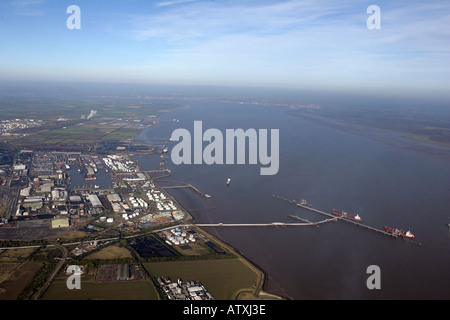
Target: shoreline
x=389 y=137
x=260 y=273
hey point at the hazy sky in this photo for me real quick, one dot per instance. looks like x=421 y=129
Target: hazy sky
x=281 y=43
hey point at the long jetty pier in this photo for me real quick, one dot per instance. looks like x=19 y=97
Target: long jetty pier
x=271 y=224
x=303 y=205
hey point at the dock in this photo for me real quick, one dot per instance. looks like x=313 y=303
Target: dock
x=310 y=208
x=184 y=185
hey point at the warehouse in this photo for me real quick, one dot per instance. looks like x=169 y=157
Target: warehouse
x=114 y=197
x=123 y=272
x=95 y=201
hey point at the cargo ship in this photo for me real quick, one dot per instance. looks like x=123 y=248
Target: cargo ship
x=344 y=214
x=398 y=232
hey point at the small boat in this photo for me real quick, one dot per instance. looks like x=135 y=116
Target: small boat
x=228 y=181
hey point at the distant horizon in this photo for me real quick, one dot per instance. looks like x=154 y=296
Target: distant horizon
x=285 y=44
x=53 y=88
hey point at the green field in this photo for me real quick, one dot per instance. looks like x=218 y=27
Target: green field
x=90 y=290
x=53 y=108
x=15 y=276
x=86 y=133
x=223 y=278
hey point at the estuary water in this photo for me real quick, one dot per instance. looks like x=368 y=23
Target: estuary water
x=385 y=183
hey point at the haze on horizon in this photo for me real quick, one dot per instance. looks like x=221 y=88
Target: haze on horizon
x=316 y=44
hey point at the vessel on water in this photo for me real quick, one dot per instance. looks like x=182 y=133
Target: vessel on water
x=398 y=232
x=228 y=181
x=344 y=214
x=302 y=202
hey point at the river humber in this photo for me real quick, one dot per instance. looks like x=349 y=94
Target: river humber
x=385 y=184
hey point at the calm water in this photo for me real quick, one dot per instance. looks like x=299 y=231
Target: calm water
x=331 y=168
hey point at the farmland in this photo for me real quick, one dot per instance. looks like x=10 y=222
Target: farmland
x=78 y=122
x=15 y=276
x=222 y=277
x=130 y=290
x=110 y=252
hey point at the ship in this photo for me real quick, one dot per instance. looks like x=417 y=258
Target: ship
x=344 y=214
x=228 y=181
x=398 y=232
x=302 y=202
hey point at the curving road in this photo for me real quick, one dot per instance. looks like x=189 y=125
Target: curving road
x=58 y=267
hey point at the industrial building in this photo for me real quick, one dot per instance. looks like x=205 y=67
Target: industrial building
x=114 y=197
x=123 y=272
x=95 y=201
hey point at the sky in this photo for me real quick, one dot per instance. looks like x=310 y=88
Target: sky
x=319 y=44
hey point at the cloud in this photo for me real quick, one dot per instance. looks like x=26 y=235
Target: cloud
x=320 y=42
x=27 y=7
x=170 y=3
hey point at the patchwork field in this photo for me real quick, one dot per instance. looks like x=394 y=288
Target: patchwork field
x=91 y=290
x=15 y=276
x=84 y=133
x=108 y=288
x=110 y=252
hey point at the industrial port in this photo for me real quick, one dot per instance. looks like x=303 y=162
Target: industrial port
x=336 y=215
x=87 y=191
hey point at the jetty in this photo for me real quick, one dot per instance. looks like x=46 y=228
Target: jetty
x=302 y=204
x=184 y=185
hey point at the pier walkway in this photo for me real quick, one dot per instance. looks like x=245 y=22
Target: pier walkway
x=184 y=185
x=272 y=224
